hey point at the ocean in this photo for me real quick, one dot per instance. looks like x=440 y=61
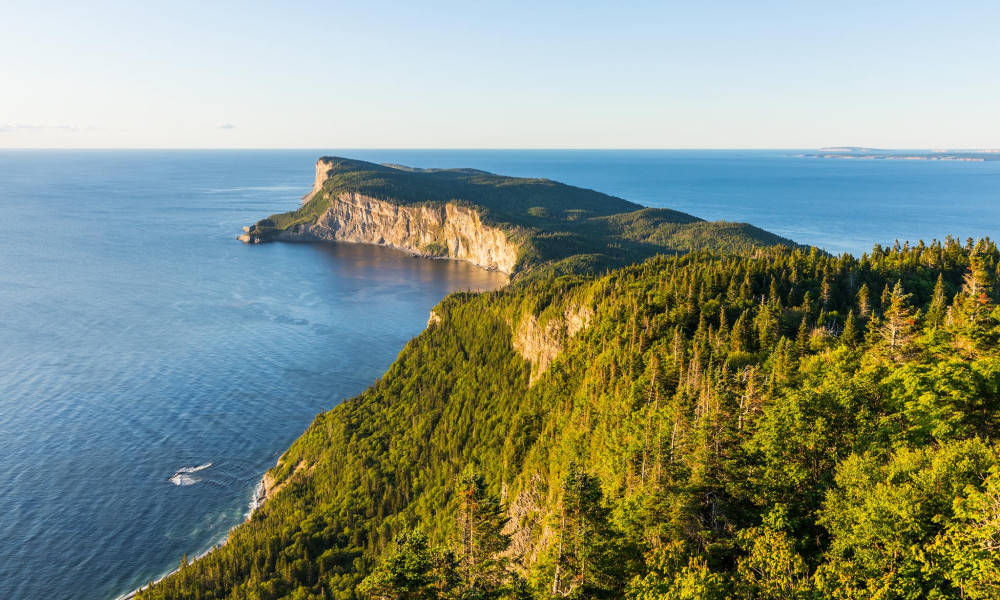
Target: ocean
x=152 y=367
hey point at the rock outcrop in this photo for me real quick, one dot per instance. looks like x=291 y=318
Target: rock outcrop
x=435 y=231
x=528 y=530
x=268 y=487
x=540 y=344
x=324 y=169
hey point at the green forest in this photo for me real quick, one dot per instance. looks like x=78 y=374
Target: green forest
x=741 y=423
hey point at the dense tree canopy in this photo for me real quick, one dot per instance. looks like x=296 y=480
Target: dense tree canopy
x=771 y=423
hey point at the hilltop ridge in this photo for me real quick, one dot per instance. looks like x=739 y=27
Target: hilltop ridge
x=509 y=224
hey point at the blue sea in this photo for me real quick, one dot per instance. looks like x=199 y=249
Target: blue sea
x=152 y=367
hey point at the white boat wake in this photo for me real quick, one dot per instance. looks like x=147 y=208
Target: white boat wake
x=183 y=475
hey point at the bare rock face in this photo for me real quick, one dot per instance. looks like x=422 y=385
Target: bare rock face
x=540 y=344
x=433 y=230
x=268 y=486
x=527 y=513
x=323 y=169
x=438 y=231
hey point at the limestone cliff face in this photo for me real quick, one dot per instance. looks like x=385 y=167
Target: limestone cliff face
x=323 y=172
x=440 y=231
x=540 y=344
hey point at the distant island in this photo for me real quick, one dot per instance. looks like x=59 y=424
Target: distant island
x=847 y=149
x=855 y=152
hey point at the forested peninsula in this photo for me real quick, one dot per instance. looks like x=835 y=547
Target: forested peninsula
x=656 y=407
x=510 y=224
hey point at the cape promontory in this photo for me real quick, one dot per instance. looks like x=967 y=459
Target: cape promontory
x=508 y=224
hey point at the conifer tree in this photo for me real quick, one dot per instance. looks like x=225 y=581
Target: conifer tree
x=864 y=301
x=412 y=571
x=581 y=567
x=886 y=299
x=849 y=336
x=773 y=295
x=802 y=337
x=938 y=308
x=485 y=570
x=767 y=325
x=898 y=322
x=974 y=304
x=739 y=338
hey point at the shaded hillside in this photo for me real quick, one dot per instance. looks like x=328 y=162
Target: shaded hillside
x=765 y=424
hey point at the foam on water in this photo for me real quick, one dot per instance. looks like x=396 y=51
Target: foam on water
x=194 y=469
x=184 y=480
x=183 y=475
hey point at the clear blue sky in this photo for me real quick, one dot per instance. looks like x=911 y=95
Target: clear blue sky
x=511 y=74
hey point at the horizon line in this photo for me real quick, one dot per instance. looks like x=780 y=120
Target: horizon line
x=511 y=149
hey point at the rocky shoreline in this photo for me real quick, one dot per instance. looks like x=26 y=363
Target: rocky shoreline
x=260 y=495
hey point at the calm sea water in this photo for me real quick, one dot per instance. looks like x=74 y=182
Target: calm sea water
x=139 y=341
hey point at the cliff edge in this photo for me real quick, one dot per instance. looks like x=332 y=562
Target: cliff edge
x=507 y=224
x=432 y=230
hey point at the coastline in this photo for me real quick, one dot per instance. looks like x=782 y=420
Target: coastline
x=404 y=249
x=927 y=157
x=256 y=501
x=264 y=489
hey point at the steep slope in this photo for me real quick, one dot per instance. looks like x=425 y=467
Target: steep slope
x=747 y=436
x=508 y=224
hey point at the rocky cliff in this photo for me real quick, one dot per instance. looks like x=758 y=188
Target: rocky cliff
x=434 y=229
x=324 y=168
x=540 y=343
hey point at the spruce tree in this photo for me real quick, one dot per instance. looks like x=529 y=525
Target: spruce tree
x=974 y=304
x=482 y=518
x=849 y=336
x=826 y=292
x=886 y=299
x=938 y=308
x=898 y=322
x=802 y=337
x=583 y=536
x=412 y=571
x=864 y=301
x=739 y=337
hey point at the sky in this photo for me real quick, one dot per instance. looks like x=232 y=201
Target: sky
x=511 y=74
